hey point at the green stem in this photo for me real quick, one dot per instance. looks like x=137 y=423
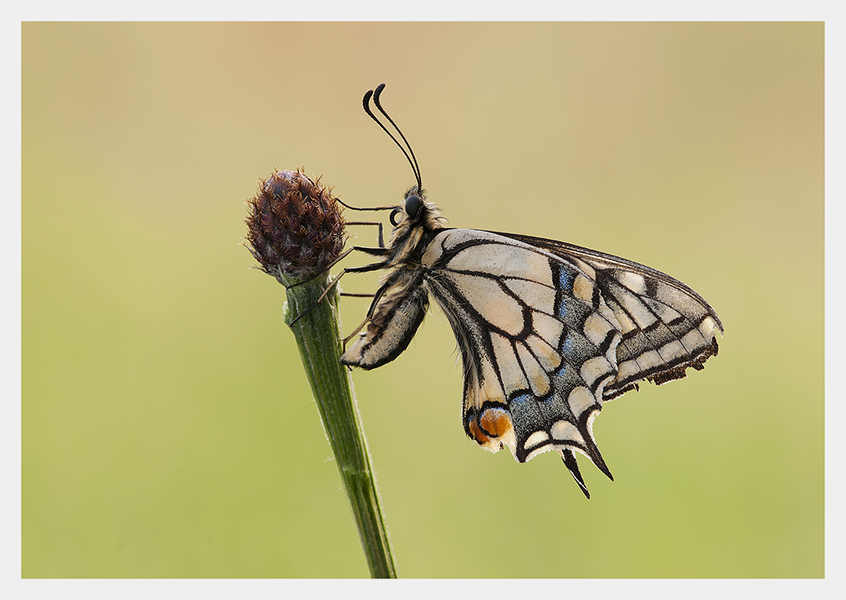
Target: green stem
x=318 y=336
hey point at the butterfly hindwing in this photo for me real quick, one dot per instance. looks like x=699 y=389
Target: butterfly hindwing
x=537 y=340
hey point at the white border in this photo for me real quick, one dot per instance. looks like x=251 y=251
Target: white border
x=336 y=10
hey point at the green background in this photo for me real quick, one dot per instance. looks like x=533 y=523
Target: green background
x=167 y=426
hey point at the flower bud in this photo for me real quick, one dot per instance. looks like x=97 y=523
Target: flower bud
x=294 y=226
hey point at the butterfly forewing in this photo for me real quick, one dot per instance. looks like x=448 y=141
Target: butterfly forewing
x=665 y=325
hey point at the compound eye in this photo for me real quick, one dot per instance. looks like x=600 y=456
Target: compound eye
x=413 y=204
x=394 y=214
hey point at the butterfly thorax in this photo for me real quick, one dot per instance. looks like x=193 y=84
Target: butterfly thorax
x=416 y=222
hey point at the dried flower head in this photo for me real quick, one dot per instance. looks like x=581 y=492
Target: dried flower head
x=294 y=226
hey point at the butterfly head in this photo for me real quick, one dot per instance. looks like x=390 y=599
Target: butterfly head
x=412 y=207
x=416 y=212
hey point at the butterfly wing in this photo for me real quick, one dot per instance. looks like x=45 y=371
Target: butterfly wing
x=398 y=309
x=666 y=326
x=547 y=331
x=544 y=331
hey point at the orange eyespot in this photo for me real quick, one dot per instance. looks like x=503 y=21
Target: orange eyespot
x=496 y=421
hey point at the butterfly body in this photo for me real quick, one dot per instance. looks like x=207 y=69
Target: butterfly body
x=547 y=331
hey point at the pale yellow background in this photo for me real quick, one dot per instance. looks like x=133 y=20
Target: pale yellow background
x=168 y=430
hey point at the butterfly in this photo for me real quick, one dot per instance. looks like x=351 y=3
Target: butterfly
x=547 y=331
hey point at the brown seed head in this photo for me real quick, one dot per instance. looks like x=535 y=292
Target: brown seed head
x=294 y=226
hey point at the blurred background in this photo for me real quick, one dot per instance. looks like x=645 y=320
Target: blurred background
x=167 y=426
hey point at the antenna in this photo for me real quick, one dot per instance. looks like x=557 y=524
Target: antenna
x=412 y=160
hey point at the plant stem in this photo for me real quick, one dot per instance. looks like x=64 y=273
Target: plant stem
x=318 y=335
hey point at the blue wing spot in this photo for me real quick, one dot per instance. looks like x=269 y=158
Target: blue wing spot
x=525 y=413
x=521 y=402
x=566 y=346
x=565 y=279
x=561 y=309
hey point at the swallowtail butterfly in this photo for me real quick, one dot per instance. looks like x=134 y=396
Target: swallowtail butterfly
x=548 y=331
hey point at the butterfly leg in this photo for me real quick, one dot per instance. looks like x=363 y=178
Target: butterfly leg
x=361 y=269
x=377 y=223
